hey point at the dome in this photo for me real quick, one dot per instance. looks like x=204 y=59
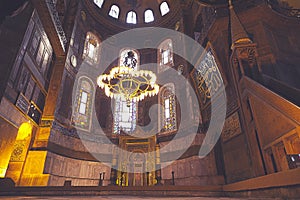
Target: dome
x=132 y=13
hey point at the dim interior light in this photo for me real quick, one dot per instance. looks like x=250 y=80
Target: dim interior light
x=24 y=131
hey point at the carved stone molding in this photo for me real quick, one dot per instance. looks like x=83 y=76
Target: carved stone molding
x=232 y=127
x=248 y=53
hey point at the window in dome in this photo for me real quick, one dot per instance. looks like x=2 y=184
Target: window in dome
x=114 y=11
x=168 y=112
x=131 y=17
x=83 y=105
x=164 y=8
x=149 y=16
x=99 y=3
x=165 y=55
x=91 y=48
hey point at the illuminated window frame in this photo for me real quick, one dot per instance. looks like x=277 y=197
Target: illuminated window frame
x=123 y=54
x=167 y=114
x=148 y=16
x=114 y=11
x=82 y=111
x=99 y=3
x=131 y=17
x=123 y=120
x=164 y=8
x=165 y=55
x=91 y=48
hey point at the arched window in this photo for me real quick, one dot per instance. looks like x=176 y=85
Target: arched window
x=131 y=17
x=114 y=11
x=99 y=3
x=125 y=116
x=168 y=111
x=83 y=105
x=149 y=16
x=91 y=48
x=165 y=55
x=164 y=8
x=124 y=54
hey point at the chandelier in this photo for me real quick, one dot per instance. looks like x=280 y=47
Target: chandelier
x=128 y=83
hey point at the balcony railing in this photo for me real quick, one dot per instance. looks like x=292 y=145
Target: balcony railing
x=58 y=26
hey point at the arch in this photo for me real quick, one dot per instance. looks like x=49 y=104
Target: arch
x=131 y=17
x=124 y=52
x=165 y=55
x=148 y=16
x=167 y=113
x=114 y=11
x=99 y=3
x=164 y=8
x=19 y=152
x=137 y=165
x=82 y=110
x=91 y=48
x=24 y=131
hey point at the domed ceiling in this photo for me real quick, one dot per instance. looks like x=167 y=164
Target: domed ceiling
x=133 y=12
x=144 y=12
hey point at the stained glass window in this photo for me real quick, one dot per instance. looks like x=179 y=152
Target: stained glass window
x=84 y=100
x=91 y=48
x=99 y=3
x=165 y=55
x=131 y=17
x=168 y=114
x=164 y=8
x=124 y=54
x=149 y=16
x=114 y=11
x=125 y=117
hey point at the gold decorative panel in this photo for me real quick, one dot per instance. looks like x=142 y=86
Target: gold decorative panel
x=232 y=127
x=19 y=152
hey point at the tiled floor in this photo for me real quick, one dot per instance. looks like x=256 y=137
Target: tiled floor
x=119 y=198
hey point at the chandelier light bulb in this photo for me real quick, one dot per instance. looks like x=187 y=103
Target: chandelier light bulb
x=125 y=82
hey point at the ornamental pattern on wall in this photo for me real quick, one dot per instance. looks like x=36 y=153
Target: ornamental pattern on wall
x=232 y=127
x=207 y=76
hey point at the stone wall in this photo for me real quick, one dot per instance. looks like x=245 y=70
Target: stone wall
x=79 y=172
x=192 y=171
